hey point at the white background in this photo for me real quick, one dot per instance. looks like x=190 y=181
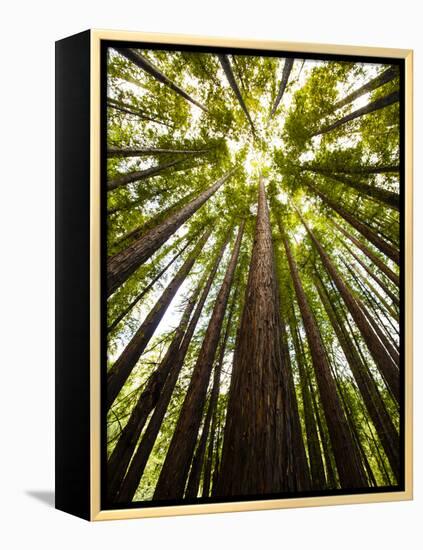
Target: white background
x=28 y=32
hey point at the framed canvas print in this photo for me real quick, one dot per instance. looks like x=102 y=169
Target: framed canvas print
x=234 y=275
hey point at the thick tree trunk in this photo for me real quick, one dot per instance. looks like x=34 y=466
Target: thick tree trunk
x=226 y=65
x=284 y=81
x=371 y=255
x=117 y=152
x=389 y=198
x=367 y=386
x=139 y=175
x=377 y=82
x=122 y=368
x=124 y=263
x=254 y=445
x=139 y=462
x=146 y=65
x=130 y=110
x=383 y=360
x=386 y=248
x=173 y=476
x=317 y=468
x=380 y=103
x=145 y=290
x=348 y=463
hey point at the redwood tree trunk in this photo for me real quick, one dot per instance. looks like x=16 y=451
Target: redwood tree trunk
x=371 y=255
x=124 y=263
x=173 y=476
x=122 y=368
x=145 y=290
x=367 y=386
x=284 y=81
x=378 y=242
x=139 y=175
x=383 y=360
x=139 y=461
x=317 y=468
x=348 y=463
x=226 y=65
x=254 y=445
x=143 y=63
x=377 y=82
x=380 y=103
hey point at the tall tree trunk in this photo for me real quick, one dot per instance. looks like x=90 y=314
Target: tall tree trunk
x=173 y=476
x=389 y=74
x=126 y=444
x=139 y=175
x=139 y=461
x=316 y=463
x=371 y=236
x=284 y=81
x=226 y=65
x=380 y=103
x=383 y=360
x=146 y=65
x=124 y=263
x=122 y=368
x=127 y=152
x=373 y=275
x=389 y=198
x=298 y=472
x=358 y=169
x=371 y=255
x=348 y=463
x=367 y=386
x=130 y=110
x=215 y=397
x=145 y=290
x=254 y=446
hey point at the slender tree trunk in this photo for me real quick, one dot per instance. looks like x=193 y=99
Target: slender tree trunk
x=125 y=447
x=117 y=152
x=380 y=103
x=122 y=368
x=146 y=65
x=367 y=386
x=124 y=263
x=173 y=476
x=373 y=275
x=130 y=110
x=297 y=468
x=140 y=459
x=226 y=65
x=348 y=464
x=358 y=169
x=215 y=398
x=145 y=290
x=371 y=236
x=389 y=198
x=254 y=446
x=316 y=463
x=371 y=255
x=389 y=74
x=139 y=175
x=383 y=360
x=284 y=81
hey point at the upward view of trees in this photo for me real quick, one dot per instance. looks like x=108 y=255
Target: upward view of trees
x=253 y=306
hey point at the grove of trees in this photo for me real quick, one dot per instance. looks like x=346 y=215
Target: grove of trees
x=253 y=276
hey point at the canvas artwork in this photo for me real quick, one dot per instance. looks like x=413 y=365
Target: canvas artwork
x=253 y=210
